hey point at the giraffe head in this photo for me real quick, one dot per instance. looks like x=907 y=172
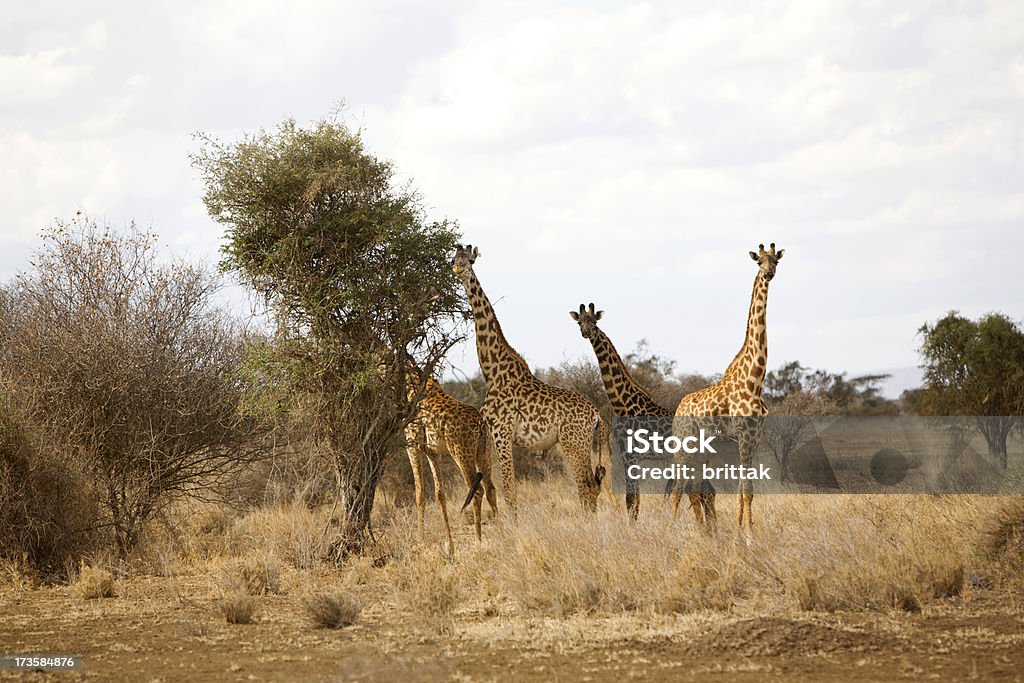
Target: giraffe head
x=587 y=318
x=465 y=257
x=767 y=260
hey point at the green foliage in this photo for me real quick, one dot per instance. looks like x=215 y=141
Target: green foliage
x=975 y=368
x=315 y=224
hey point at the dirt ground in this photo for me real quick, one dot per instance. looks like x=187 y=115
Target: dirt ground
x=160 y=629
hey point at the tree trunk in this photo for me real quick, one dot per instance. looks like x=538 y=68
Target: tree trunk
x=358 y=475
x=995 y=430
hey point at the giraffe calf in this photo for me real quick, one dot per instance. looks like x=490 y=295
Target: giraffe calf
x=446 y=426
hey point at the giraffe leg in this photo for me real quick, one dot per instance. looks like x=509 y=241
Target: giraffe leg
x=503 y=452
x=492 y=495
x=633 y=506
x=485 y=463
x=707 y=501
x=578 y=456
x=435 y=469
x=468 y=470
x=693 y=488
x=416 y=461
x=745 y=497
x=677 y=498
x=478 y=512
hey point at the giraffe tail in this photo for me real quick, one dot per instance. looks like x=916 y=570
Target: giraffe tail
x=473 y=488
x=601 y=443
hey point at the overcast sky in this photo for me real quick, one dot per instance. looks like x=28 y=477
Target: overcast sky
x=625 y=154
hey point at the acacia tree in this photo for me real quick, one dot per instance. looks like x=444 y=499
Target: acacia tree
x=356 y=277
x=976 y=368
x=123 y=363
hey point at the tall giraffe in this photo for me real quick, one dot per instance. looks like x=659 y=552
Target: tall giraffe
x=626 y=396
x=443 y=425
x=520 y=409
x=738 y=392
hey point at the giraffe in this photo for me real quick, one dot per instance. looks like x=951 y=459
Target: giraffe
x=444 y=425
x=738 y=392
x=626 y=396
x=522 y=410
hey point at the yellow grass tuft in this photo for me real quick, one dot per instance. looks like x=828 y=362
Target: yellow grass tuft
x=331 y=610
x=238 y=607
x=253 y=575
x=94 y=583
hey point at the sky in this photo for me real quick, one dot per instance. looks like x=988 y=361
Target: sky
x=629 y=154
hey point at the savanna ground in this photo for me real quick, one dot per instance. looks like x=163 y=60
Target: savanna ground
x=830 y=588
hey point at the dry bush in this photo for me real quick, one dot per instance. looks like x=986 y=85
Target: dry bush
x=47 y=509
x=253 y=575
x=331 y=610
x=93 y=583
x=18 y=573
x=238 y=607
x=125 y=362
x=1003 y=541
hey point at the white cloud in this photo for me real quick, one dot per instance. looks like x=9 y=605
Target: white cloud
x=39 y=76
x=626 y=154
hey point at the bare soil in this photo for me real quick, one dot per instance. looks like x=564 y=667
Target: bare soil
x=160 y=629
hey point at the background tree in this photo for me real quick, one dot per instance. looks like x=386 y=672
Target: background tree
x=860 y=395
x=355 y=277
x=791 y=424
x=975 y=368
x=124 y=364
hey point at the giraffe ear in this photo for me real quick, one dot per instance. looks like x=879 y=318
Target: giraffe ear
x=597 y=316
x=779 y=253
x=476 y=253
x=574 y=315
x=753 y=255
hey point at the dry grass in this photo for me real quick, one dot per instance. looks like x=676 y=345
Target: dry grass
x=93 y=583
x=238 y=607
x=331 y=610
x=294 y=533
x=816 y=553
x=1003 y=541
x=253 y=575
x=819 y=553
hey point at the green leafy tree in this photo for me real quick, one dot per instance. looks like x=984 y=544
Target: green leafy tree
x=357 y=278
x=975 y=368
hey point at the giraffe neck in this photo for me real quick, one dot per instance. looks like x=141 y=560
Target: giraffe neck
x=432 y=387
x=752 y=359
x=624 y=394
x=494 y=353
